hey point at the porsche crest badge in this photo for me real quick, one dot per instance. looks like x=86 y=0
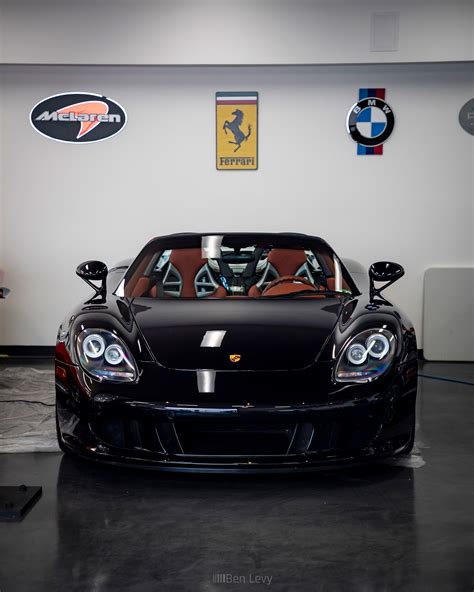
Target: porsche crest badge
x=235 y=358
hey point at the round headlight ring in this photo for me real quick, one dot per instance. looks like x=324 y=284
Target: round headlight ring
x=93 y=346
x=114 y=355
x=377 y=340
x=356 y=354
x=366 y=356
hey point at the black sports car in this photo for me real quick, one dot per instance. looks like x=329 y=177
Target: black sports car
x=236 y=352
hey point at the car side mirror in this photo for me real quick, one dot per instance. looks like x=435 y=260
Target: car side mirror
x=384 y=271
x=90 y=271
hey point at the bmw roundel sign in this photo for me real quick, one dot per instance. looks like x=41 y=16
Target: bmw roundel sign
x=370 y=121
x=78 y=117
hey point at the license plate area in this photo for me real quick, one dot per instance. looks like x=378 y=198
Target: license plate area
x=233 y=437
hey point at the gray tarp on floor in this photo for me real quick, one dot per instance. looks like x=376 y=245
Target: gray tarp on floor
x=27 y=427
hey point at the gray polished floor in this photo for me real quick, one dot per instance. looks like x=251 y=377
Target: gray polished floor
x=378 y=528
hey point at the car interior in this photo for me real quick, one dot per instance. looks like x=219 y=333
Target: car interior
x=247 y=272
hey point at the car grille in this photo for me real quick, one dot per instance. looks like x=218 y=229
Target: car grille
x=233 y=436
x=127 y=433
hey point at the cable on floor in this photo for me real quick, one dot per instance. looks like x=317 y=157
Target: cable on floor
x=446 y=379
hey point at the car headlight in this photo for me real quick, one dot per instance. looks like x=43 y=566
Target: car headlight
x=366 y=356
x=105 y=356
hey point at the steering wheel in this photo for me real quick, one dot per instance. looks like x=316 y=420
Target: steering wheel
x=289 y=284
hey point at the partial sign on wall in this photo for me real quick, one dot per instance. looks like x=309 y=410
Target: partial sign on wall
x=370 y=121
x=3 y=291
x=78 y=117
x=466 y=117
x=236 y=130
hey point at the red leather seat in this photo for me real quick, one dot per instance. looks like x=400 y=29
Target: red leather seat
x=187 y=262
x=140 y=288
x=285 y=262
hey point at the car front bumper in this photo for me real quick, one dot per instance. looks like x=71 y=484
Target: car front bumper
x=242 y=438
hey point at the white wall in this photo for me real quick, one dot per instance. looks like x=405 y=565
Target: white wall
x=63 y=204
x=2 y=234
x=228 y=32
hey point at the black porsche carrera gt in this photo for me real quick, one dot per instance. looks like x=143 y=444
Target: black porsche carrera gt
x=236 y=352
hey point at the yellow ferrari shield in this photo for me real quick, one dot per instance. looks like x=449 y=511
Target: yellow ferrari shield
x=234 y=357
x=236 y=133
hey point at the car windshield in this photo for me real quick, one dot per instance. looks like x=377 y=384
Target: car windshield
x=236 y=266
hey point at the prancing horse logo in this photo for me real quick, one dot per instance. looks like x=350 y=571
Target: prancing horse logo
x=235 y=357
x=239 y=136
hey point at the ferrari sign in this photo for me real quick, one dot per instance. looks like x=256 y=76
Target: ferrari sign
x=236 y=130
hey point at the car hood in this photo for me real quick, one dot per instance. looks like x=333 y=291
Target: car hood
x=262 y=334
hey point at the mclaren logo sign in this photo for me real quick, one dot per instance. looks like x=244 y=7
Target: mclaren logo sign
x=78 y=118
